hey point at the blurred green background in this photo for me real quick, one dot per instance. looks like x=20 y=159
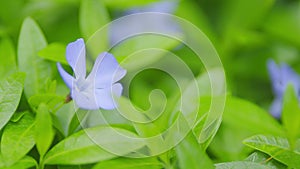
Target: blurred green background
x=245 y=33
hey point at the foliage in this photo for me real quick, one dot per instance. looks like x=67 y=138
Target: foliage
x=40 y=127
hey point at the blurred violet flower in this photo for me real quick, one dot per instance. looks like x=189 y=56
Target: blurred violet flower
x=281 y=76
x=99 y=88
x=146 y=23
x=162 y=7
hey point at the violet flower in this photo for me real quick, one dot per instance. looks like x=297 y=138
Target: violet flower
x=99 y=88
x=281 y=76
x=121 y=29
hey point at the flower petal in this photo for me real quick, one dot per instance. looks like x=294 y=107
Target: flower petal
x=290 y=76
x=106 y=71
x=281 y=76
x=68 y=79
x=276 y=107
x=275 y=75
x=105 y=97
x=75 y=54
x=84 y=100
x=273 y=70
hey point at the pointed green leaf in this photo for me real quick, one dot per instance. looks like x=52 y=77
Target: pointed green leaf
x=53 y=101
x=211 y=86
x=54 y=52
x=242 y=119
x=8 y=57
x=25 y=163
x=10 y=95
x=241 y=165
x=191 y=155
x=17 y=139
x=206 y=129
x=250 y=117
x=43 y=129
x=227 y=144
x=63 y=118
x=51 y=86
x=277 y=147
x=93 y=15
x=31 y=41
x=262 y=158
x=291 y=114
x=81 y=147
x=75 y=123
x=130 y=163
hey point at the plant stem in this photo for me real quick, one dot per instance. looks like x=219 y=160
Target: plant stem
x=41 y=163
x=165 y=159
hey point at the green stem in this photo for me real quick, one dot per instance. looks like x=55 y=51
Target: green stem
x=164 y=157
x=41 y=163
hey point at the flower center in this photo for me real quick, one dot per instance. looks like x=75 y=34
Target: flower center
x=82 y=85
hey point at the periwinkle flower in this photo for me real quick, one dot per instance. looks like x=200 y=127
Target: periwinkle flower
x=161 y=7
x=99 y=88
x=281 y=76
x=145 y=23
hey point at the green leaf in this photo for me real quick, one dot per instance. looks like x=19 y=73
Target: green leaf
x=191 y=155
x=241 y=119
x=63 y=118
x=129 y=163
x=81 y=147
x=291 y=114
x=250 y=117
x=17 y=116
x=240 y=165
x=51 y=86
x=262 y=158
x=93 y=15
x=53 y=101
x=10 y=95
x=54 y=52
x=8 y=57
x=17 y=139
x=75 y=123
x=277 y=147
x=206 y=129
x=31 y=41
x=43 y=129
x=211 y=86
x=88 y=166
x=227 y=144
x=25 y=163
